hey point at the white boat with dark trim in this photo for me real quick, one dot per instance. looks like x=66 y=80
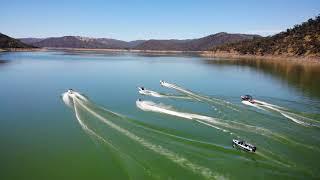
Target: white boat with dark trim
x=144 y=91
x=243 y=145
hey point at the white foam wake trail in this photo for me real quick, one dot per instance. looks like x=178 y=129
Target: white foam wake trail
x=92 y=133
x=214 y=122
x=290 y=115
x=284 y=112
x=268 y=104
x=161 y=95
x=181 y=161
x=210 y=125
x=89 y=131
x=253 y=105
x=202 y=142
x=198 y=97
x=151 y=106
x=67 y=100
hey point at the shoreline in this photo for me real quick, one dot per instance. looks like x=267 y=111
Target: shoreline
x=20 y=49
x=205 y=54
x=126 y=50
x=233 y=56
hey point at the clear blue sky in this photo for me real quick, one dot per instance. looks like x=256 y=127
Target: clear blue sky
x=151 y=19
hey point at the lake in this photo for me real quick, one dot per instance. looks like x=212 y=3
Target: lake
x=185 y=132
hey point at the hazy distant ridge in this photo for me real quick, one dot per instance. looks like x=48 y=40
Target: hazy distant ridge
x=81 y=42
x=200 y=44
x=169 y=45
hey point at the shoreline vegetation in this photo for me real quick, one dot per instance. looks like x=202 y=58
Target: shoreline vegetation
x=206 y=54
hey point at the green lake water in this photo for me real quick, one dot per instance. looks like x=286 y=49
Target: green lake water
x=108 y=136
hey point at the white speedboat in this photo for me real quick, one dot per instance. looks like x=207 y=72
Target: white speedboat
x=144 y=91
x=248 y=100
x=162 y=83
x=244 y=145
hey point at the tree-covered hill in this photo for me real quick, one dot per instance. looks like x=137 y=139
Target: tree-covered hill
x=9 y=42
x=301 y=40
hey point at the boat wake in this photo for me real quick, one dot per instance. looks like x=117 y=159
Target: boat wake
x=199 y=97
x=117 y=132
x=224 y=126
x=77 y=101
x=284 y=112
x=161 y=95
x=151 y=106
x=216 y=123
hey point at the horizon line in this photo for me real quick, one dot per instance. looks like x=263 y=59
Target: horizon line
x=264 y=33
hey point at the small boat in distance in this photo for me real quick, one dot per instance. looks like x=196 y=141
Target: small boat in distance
x=243 y=145
x=248 y=100
x=162 y=82
x=141 y=88
x=145 y=91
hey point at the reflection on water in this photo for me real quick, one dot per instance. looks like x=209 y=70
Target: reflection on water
x=127 y=53
x=305 y=77
x=3 y=61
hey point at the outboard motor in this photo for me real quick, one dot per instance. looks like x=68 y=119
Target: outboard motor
x=254 y=149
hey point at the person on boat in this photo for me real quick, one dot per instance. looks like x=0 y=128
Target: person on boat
x=142 y=88
x=70 y=91
x=161 y=82
x=247 y=98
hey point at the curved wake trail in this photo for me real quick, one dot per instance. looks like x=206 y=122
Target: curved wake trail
x=199 y=97
x=162 y=95
x=93 y=134
x=215 y=123
x=210 y=121
x=285 y=112
x=151 y=106
x=268 y=104
x=176 y=158
x=77 y=101
x=218 y=124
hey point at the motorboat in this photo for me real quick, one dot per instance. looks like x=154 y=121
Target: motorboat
x=144 y=91
x=243 y=145
x=247 y=98
x=70 y=91
x=162 y=82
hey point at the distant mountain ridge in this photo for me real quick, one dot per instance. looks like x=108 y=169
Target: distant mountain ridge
x=30 y=40
x=9 y=42
x=301 y=40
x=81 y=42
x=199 y=44
x=165 y=45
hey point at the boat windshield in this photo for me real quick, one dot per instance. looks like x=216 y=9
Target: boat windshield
x=247 y=97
